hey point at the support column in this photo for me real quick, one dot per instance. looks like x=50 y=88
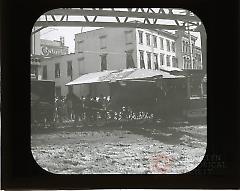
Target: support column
x=202 y=31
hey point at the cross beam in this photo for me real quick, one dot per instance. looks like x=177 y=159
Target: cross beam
x=129 y=13
x=94 y=17
x=107 y=24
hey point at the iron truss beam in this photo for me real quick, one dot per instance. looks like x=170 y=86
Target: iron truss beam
x=94 y=17
x=108 y=24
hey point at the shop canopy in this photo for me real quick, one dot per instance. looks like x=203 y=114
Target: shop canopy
x=131 y=74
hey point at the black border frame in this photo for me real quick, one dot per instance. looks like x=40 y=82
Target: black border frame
x=19 y=169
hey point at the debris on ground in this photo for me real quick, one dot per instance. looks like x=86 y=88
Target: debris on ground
x=172 y=150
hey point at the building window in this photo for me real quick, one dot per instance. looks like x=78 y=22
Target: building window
x=149 y=60
x=173 y=47
x=198 y=58
x=129 y=60
x=194 y=63
x=34 y=71
x=69 y=69
x=58 y=91
x=57 y=70
x=142 y=64
x=189 y=63
x=80 y=46
x=192 y=48
x=175 y=62
x=187 y=47
x=186 y=62
x=183 y=46
x=44 y=76
x=168 y=60
x=161 y=43
x=140 y=36
x=128 y=37
x=155 y=60
x=161 y=59
x=148 y=39
x=168 y=45
x=103 y=42
x=103 y=62
x=80 y=66
x=154 y=41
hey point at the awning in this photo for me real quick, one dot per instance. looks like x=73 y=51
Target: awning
x=121 y=75
x=89 y=78
x=170 y=69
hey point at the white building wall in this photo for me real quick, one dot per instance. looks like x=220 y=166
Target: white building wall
x=144 y=47
x=116 y=46
x=64 y=78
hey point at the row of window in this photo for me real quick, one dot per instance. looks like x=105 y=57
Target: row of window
x=102 y=43
x=191 y=65
x=69 y=70
x=69 y=67
x=156 y=61
x=129 y=61
x=58 y=70
x=129 y=64
x=170 y=45
x=186 y=47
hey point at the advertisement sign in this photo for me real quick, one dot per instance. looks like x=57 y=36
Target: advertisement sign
x=53 y=51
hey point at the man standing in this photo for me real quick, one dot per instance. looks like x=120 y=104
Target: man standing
x=69 y=106
x=77 y=106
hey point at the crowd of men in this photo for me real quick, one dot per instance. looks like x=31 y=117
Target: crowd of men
x=90 y=109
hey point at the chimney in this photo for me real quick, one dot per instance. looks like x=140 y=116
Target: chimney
x=62 y=40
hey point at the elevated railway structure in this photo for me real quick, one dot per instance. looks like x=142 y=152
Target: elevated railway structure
x=149 y=18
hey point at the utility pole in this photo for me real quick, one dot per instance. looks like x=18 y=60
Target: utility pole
x=190 y=45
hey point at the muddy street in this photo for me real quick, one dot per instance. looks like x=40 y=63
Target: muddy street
x=142 y=149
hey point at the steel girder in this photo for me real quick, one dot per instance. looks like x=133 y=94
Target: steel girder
x=150 y=18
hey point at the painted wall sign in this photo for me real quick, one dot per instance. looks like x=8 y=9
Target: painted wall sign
x=53 y=51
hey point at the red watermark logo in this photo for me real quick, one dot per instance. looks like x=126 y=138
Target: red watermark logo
x=160 y=163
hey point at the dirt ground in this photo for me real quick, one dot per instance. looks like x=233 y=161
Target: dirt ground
x=142 y=149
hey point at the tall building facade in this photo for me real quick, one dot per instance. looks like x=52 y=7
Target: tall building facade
x=119 y=48
x=188 y=54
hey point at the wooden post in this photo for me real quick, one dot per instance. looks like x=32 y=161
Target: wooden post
x=188 y=87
